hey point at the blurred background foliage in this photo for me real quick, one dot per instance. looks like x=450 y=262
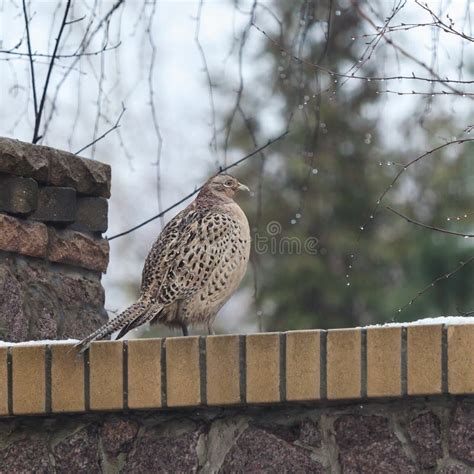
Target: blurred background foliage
x=328 y=177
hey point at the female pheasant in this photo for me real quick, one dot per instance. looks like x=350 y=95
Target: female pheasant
x=194 y=266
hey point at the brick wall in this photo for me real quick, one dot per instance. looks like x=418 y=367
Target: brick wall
x=357 y=400
x=53 y=209
x=272 y=368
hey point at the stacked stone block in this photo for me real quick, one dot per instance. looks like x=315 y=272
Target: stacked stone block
x=53 y=211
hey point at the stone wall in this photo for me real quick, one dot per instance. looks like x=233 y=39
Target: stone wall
x=404 y=436
x=53 y=209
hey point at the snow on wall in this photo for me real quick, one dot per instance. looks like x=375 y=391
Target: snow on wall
x=448 y=320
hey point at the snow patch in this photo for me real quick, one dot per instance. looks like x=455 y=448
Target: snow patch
x=448 y=320
x=38 y=343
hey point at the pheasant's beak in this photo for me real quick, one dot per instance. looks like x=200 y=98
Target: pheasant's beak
x=242 y=187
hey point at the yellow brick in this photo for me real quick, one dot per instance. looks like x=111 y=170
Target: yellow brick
x=424 y=360
x=384 y=362
x=263 y=368
x=144 y=373
x=182 y=371
x=222 y=370
x=29 y=392
x=67 y=379
x=343 y=364
x=461 y=359
x=303 y=365
x=106 y=375
x=3 y=381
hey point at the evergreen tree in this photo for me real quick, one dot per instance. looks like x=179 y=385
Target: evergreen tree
x=324 y=180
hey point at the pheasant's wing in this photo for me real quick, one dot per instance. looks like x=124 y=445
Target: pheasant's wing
x=155 y=262
x=187 y=253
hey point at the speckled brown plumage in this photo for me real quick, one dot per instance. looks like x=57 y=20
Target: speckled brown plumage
x=194 y=266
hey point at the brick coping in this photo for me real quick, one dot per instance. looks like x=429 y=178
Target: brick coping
x=269 y=368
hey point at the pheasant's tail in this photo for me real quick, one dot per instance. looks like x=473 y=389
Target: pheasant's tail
x=122 y=320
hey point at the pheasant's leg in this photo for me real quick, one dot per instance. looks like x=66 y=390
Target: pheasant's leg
x=185 y=329
x=210 y=329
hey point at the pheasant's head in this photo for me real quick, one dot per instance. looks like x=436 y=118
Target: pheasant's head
x=222 y=186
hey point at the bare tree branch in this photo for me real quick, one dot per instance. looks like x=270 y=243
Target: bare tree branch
x=185 y=198
x=402 y=50
x=240 y=89
x=333 y=73
x=406 y=166
x=36 y=136
x=86 y=40
x=445 y=276
x=210 y=85
x=114 y=127
x=426 y=226
x=62 y=56
x=30 y=57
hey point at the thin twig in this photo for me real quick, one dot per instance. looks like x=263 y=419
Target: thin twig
x=426 y=226
x=62 y=56
x=185 y=198
x=442 y=25
x=114 y=127
x=240 y=90
x=445 y=276
x=213 y=143
x=334 y=73
x=86 y=41
x=406 y=166
x=154 y=114
x=403 y=51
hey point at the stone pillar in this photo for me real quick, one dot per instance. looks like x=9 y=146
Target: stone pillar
x=53 y=210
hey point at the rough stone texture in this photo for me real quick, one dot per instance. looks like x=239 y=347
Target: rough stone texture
x=78 y=453
x=350 y=438
x=425 y=434
x=305 y=432
x=13 y=321
x=309 y=434
x=165 y=454
x=461 y=434
x=91 y=214
x=455 y=469
x=40 y=300
x=25 y=455
x=76 y=248
x=20 y=236
x=118 y=435
x=257 y=450
x=85 y=176
x=23 y=159
x=367 y=444
x=55 y=204
x=18 y=195
x=58 y=168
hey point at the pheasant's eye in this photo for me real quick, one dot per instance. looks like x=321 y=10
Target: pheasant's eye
x=228 y=183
